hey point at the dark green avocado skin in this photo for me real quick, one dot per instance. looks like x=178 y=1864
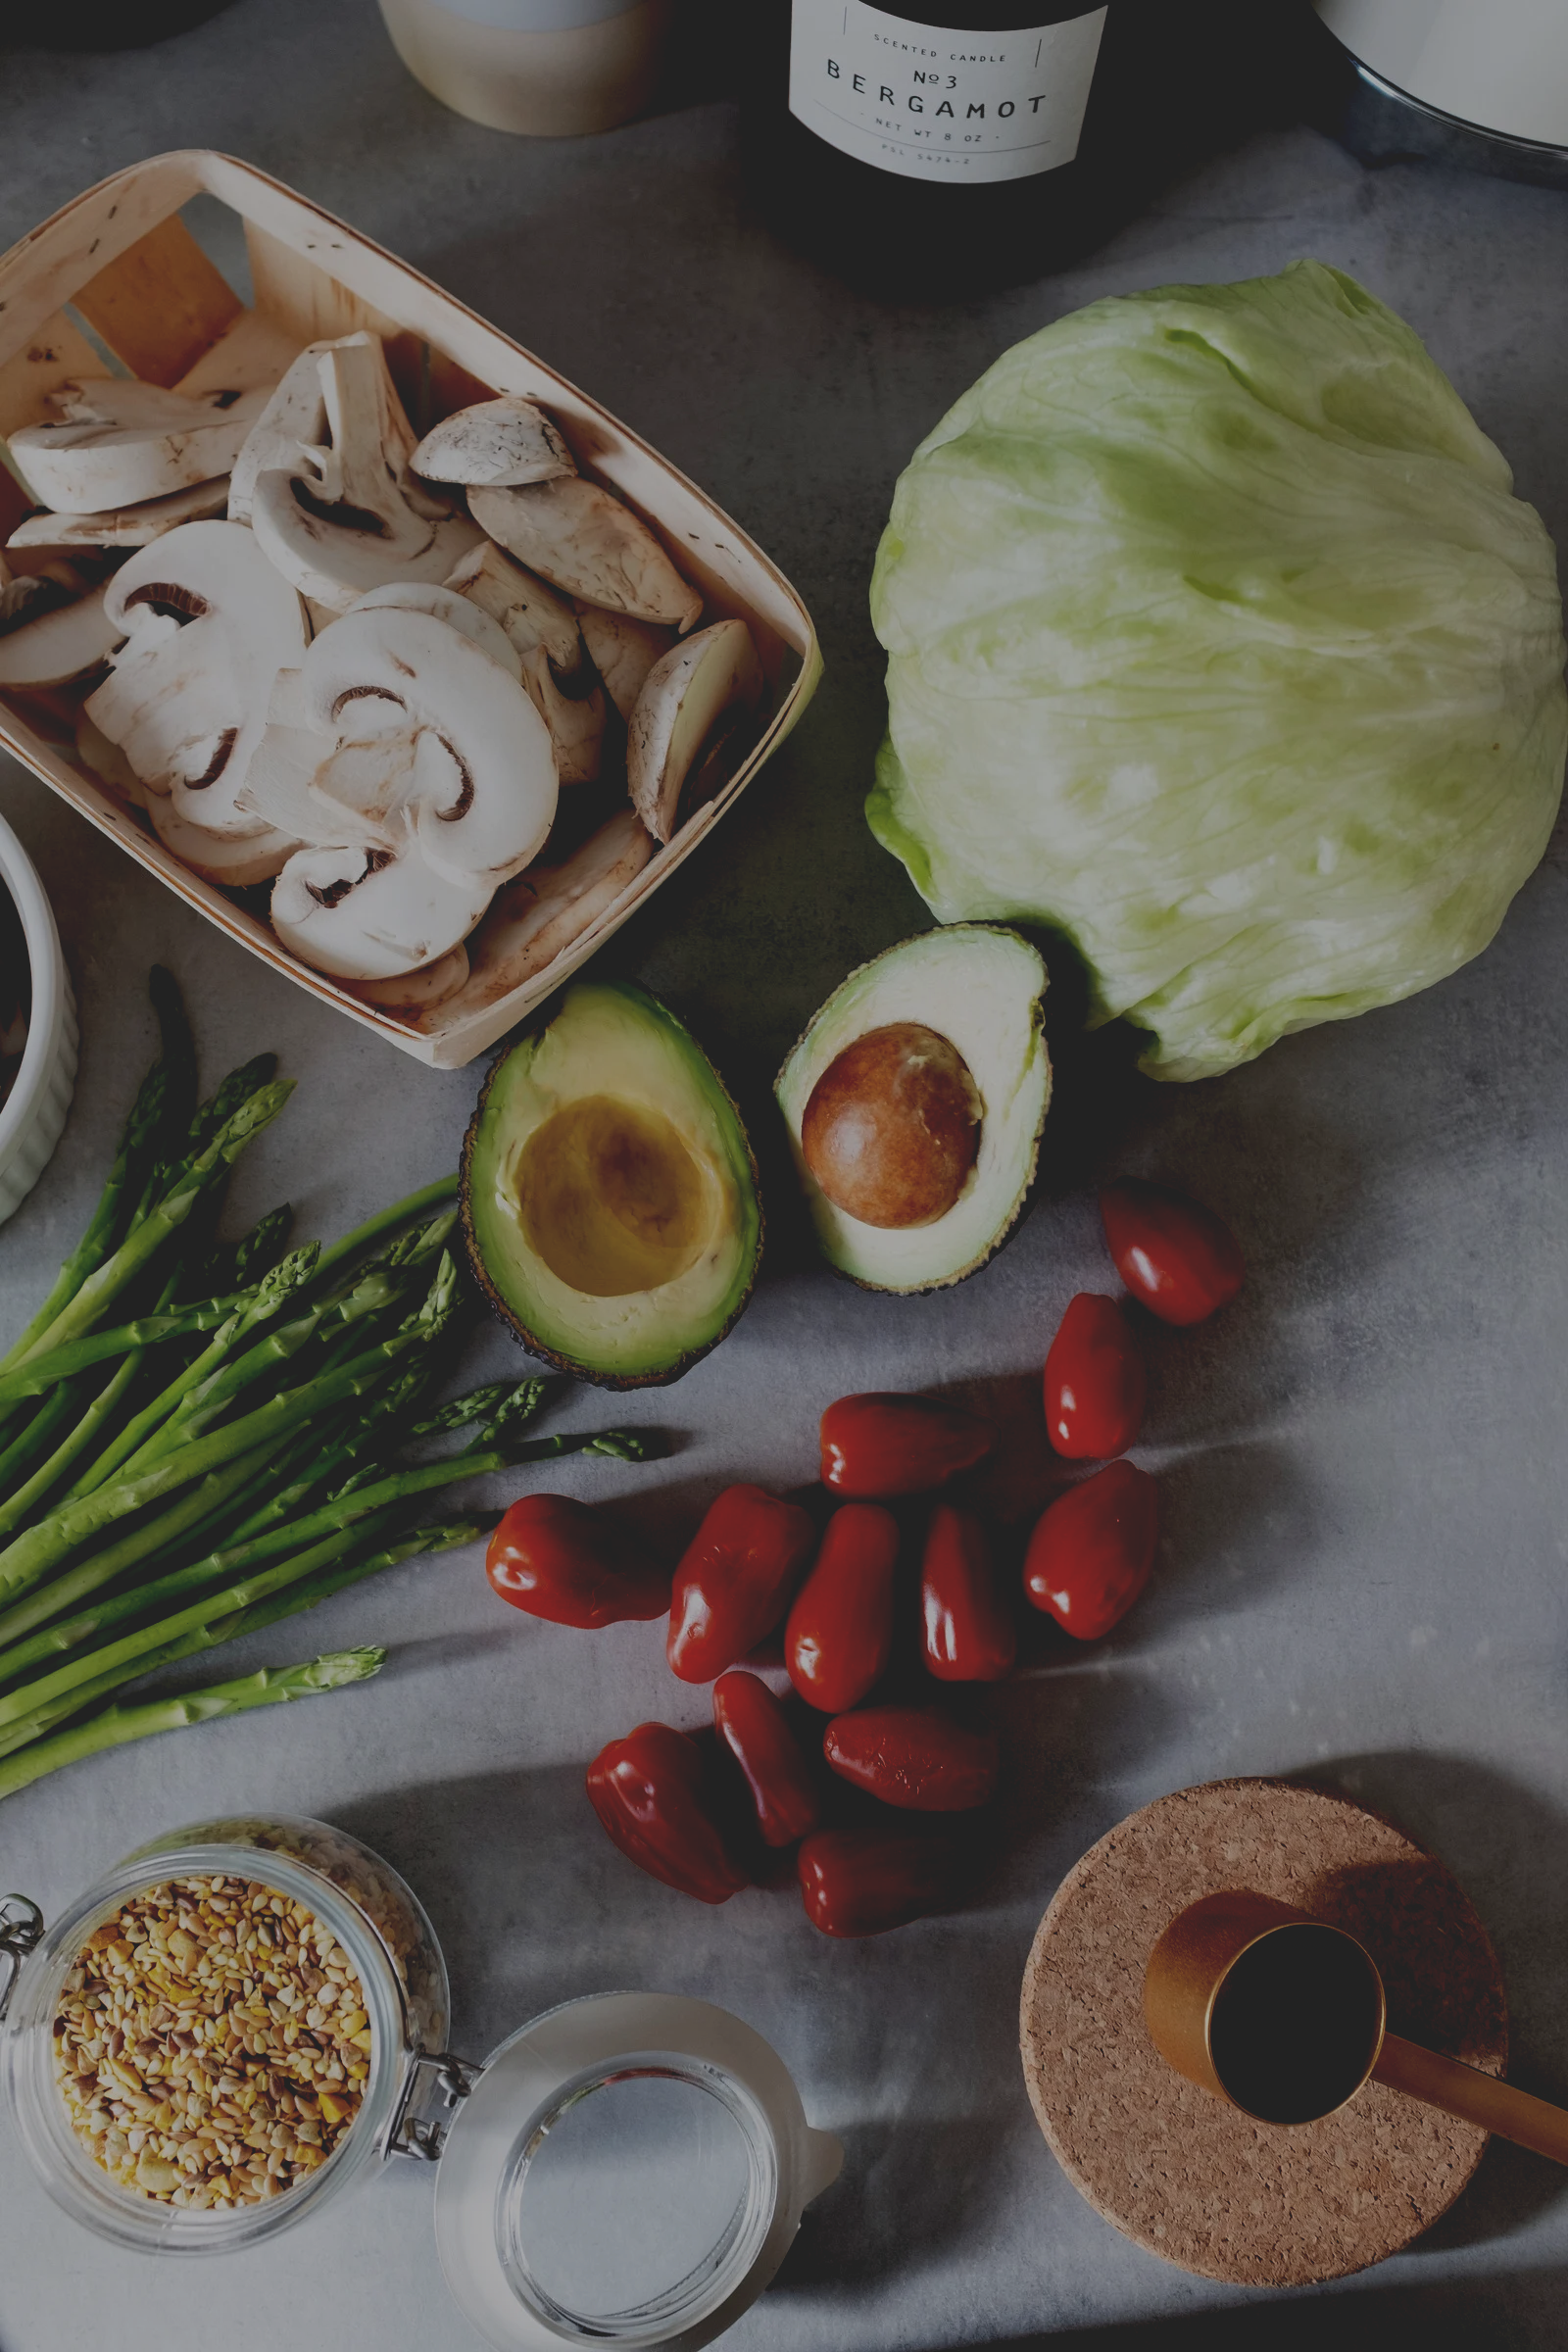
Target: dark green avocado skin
x=501 y=1307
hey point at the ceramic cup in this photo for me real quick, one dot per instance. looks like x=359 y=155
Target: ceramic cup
x=551 y=68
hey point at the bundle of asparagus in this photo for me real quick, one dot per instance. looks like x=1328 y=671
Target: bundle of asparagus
x=231 y=1453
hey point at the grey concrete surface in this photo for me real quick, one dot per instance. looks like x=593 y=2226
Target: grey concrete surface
x=1365 y=1477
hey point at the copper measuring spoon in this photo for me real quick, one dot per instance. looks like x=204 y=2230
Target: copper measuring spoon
x=1286 y=2018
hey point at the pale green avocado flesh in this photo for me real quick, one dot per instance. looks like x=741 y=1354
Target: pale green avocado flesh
x=980 y=986
x=610 y=1194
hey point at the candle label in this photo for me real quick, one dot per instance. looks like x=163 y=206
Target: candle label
x=933 y=104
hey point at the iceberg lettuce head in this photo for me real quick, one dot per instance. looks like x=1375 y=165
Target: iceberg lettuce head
x=1219 y=642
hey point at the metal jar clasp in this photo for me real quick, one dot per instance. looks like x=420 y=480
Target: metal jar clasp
x=436 y=2087
x=20 y=1930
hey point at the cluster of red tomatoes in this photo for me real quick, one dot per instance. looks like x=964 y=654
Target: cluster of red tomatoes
x=760 y=1564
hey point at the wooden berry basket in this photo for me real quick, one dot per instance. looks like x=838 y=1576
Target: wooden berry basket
x=120 y=263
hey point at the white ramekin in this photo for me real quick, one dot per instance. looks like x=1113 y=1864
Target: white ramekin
x=34 y=1116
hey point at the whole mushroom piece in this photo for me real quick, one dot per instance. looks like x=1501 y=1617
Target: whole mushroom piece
x=622 y=651
x=586 y=541
x=684 y=699
x=502 y=442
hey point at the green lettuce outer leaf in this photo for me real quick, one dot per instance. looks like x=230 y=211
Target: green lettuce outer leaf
x=1218 y=642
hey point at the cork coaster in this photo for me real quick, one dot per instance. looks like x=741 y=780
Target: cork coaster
x=1177 y=2170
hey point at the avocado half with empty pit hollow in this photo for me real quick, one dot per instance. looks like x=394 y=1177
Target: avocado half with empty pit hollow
x=914 y=1104
x=610 y=1194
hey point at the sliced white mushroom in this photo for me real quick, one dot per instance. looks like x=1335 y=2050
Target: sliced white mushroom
x=459 y=612
x=430 y=738
x=547 y=909
x=59 y=644
x=208 y=625
x=409 y=995
x=530 y=613
x=233 y=861
x=421 y=776
x=126 y=527
x=502 y=442
x=114 y=442
x=108 y=762
x=684 y=698
x=576 y=728
x=344 y=515
x=293 y=419
x=278 y=783
x=365 y=915
x=587 y=542
x=622 y=651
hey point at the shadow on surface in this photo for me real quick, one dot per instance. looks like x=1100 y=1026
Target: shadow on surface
x=1508 y=1848
x=1520 y=2313
x=906 y=2193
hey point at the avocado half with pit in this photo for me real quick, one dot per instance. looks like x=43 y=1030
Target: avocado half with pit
x=610 y=1194
x=914 y=1104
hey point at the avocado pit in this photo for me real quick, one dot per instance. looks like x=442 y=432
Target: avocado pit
x=892 y=1128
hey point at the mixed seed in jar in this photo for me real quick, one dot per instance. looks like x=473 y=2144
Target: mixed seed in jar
x=212 y=2044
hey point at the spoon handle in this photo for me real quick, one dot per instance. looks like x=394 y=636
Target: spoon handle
x=1474 y=2098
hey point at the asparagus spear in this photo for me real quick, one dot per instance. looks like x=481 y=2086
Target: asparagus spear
x=388 y=1220
x=161 y=1105
x=420 y=1543
x=117 y=1726
x=98 y=1293
x=219 y=1567
x=197 y=1617
x=100 y=1412
x=266 y=1300
x=306 y=1592
x=236 y=1265
x=33 y=1557
x=41 y=1372
x=205 y=1402
x=79 y=1433
x=37 y=1435
x=153 y=1534
x=337 y=1519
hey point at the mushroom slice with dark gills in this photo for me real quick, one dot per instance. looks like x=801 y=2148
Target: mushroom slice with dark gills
x=422 y=777
x=334 y=502
x=208 y=625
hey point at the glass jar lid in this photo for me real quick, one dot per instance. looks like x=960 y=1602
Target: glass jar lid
x=628 y=2170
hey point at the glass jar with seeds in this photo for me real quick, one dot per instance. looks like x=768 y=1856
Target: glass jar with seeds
x=217 y=2036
